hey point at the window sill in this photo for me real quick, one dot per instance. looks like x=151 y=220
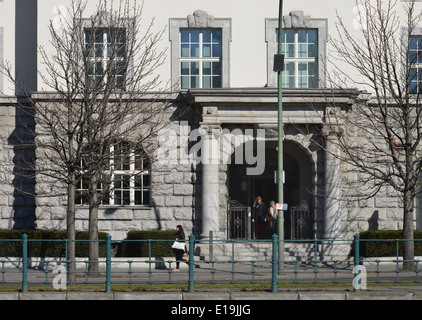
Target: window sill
x=108 y=207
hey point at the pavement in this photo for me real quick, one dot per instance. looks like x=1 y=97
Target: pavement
x=328 y=294
x=142 y=272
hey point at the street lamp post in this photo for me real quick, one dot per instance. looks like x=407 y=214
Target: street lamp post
x=280 y=64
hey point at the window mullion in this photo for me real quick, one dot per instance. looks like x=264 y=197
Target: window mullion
x=104 y=56
x=132 y=179
x=112 y=170
x=200 y=58
x=296 y=48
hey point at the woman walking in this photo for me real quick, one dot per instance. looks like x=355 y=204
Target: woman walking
x=178 y=252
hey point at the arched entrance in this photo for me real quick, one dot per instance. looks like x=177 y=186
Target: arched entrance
x=298 y=187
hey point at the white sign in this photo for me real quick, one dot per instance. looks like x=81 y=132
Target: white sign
x=281 y=206
x=276 y=177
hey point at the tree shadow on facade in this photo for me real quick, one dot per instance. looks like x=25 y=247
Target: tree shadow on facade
x=22 y=140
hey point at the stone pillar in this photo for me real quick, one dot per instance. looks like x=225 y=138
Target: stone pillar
x=332 y=218
x=210 y=158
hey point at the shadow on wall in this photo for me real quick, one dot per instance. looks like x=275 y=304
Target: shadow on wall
x=21 y=139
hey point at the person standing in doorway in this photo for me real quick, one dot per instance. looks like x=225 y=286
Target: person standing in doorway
x=258 y=216
x=274 y=214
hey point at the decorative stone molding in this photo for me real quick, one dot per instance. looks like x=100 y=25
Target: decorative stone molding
x=296 y=19
x=200 y=19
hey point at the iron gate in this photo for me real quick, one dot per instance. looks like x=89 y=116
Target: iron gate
x=300 y=222
x=238 y=220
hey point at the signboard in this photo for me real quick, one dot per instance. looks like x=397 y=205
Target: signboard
x=276 y=177
x=281 y=206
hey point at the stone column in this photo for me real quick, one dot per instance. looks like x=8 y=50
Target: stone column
x=210 y=158
x=332 y=218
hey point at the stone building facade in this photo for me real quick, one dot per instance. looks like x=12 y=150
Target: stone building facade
x=231 y=111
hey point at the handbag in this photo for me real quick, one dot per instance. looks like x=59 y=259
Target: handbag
x=178 y=245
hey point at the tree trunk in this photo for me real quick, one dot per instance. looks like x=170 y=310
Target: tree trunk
x=71 y=231
x=93 y=226
x=408 y=246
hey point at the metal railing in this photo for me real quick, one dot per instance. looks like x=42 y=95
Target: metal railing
x=230 y=268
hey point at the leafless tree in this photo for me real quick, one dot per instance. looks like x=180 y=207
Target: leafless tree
x=101 y=90
x=380 y=135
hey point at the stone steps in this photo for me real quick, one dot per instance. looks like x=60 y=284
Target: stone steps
x=261 y=251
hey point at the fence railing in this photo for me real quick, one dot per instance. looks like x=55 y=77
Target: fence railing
x=266 y=267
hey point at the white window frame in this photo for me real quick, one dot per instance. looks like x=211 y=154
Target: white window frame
x=200 y=59
x=105 y=59
x=132 y=172
x=176 y=24
x=417 y=65
x=296 y=60
x=271 y=26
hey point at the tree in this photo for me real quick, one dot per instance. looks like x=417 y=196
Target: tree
x=380 y=135
x=101 y=73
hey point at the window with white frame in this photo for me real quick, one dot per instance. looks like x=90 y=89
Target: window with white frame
x=300 y=49
x=200 y=51
x=304 y=46
x=200 y=58
x=415 y=64
x=128 y=182
x=106 y=57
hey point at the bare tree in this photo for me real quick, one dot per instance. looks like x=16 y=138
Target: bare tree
x=380 y=135
x=101 y=75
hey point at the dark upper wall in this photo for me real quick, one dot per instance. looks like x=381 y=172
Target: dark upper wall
x=26 y=44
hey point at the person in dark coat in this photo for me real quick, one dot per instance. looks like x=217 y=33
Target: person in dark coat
x=180 y=237
x=258 y=216
x=268 y=228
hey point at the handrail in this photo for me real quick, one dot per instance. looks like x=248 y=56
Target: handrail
x=233 y=268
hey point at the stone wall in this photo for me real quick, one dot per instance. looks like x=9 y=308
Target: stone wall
x=360 y=212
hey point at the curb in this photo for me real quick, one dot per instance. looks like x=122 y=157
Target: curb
x=186 y=296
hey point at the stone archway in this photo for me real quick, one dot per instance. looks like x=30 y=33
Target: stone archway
x=298 y=188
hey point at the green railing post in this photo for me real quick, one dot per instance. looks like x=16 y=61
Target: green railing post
x=356 y=263
x=274 y=264
x=24 y=262
x=191 y=264
x=108 y=263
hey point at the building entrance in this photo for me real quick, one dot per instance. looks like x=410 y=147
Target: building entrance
x=298 y=176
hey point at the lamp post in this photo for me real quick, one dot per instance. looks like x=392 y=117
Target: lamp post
x=280 y=64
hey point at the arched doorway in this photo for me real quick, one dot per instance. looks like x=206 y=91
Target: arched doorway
x=298 y=187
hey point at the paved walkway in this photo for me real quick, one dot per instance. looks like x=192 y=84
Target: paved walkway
x=206 y=272
x=387 y=293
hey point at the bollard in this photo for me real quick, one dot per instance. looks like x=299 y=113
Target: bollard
x=108 y=263
x=24 y=262
x=356 y=262
x=191 y=264
x=274 y=264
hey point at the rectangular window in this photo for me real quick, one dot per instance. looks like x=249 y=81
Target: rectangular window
x=200 y=58
x=415 y=65
x=128 y=181
x=106 y=54
x=300 y=49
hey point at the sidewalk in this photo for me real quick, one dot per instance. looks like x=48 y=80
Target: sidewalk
x=396 y=293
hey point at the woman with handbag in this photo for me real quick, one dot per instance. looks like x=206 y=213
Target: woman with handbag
x=179 y=246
